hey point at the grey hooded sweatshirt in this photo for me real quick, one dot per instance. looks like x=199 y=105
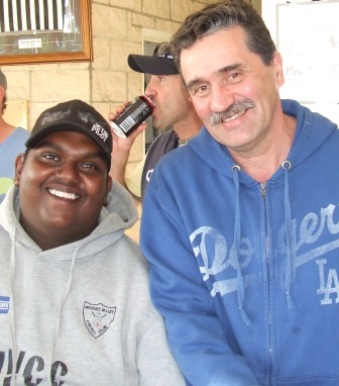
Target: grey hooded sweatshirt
x=79 y=314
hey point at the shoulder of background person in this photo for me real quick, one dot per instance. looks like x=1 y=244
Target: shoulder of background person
x=164 y=142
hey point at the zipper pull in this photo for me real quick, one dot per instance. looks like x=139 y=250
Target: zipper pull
x=263 y=189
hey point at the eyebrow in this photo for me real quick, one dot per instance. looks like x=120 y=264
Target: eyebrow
x=53 y=145
x=190 y=85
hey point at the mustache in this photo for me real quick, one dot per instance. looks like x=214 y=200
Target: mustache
x=236 y=108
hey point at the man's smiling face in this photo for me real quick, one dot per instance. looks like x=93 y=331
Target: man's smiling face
x=63 y=184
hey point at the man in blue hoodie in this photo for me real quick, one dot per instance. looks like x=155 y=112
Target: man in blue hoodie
x=241 y=225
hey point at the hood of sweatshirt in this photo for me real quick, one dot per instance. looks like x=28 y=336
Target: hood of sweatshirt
x=119 y=215
x=307 y=139
x=114 y=219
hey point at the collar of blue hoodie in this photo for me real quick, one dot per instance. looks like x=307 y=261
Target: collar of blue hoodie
x=307 y=139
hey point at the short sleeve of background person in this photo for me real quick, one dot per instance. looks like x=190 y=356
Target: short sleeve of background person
x=9 y=149
x=11 y=144
x=133 y=179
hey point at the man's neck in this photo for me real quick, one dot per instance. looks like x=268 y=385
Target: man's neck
x=262 y=162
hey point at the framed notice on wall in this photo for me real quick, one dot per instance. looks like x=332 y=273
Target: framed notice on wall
x=40 y=31
x=308 y=39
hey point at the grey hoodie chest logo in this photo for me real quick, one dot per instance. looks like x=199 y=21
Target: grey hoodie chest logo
x=97 y=318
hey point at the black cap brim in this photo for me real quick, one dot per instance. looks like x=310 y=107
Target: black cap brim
x=153 y=65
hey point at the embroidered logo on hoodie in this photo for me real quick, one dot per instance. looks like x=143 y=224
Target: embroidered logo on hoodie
x=97 y=318
x=4 y=304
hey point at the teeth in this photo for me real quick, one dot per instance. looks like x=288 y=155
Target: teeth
x=58 y=193
x=217 y=118
x=231 y=118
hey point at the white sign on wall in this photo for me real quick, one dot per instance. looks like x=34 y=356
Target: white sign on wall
x=308 y=39
x=307 y=36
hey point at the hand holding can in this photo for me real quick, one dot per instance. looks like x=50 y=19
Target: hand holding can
x=135 y=114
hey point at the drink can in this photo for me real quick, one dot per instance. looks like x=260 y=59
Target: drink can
x=140 y=109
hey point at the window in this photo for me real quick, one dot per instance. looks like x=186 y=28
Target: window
x=37 y=31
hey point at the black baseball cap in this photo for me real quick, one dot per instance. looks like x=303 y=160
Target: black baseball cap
x=74 y=115
x=161 y=63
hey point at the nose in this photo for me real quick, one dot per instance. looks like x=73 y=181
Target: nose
x=150 y=90
x=68 y=172
x=221 y=98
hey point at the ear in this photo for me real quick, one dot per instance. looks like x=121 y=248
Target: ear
x=2 y=94
x=278 y=69
x=19 y=165
x=108 y=188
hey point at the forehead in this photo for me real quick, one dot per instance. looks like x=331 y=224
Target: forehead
x=213 y=52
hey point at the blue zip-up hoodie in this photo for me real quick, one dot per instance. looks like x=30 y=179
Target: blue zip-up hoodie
x=247 y=274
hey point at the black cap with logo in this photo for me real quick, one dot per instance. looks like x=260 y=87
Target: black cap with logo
x=74 y=115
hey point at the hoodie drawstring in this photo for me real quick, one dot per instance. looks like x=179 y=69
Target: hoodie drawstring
x=12 y=311
x=240 y=279
x=64 y=297
x=12 y=314
x=291 y=253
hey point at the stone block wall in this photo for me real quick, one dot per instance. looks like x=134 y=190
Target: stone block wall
x=117 y=29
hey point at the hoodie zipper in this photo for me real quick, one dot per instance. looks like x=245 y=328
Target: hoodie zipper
x=263 y=194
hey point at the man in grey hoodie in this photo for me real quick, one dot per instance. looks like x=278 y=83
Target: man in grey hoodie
x=74 y=298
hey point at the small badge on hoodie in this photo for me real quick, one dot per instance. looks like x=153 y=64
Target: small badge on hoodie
x=4 y=304
x=97 y=318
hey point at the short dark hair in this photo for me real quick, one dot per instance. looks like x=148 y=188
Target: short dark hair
x=223 y=15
